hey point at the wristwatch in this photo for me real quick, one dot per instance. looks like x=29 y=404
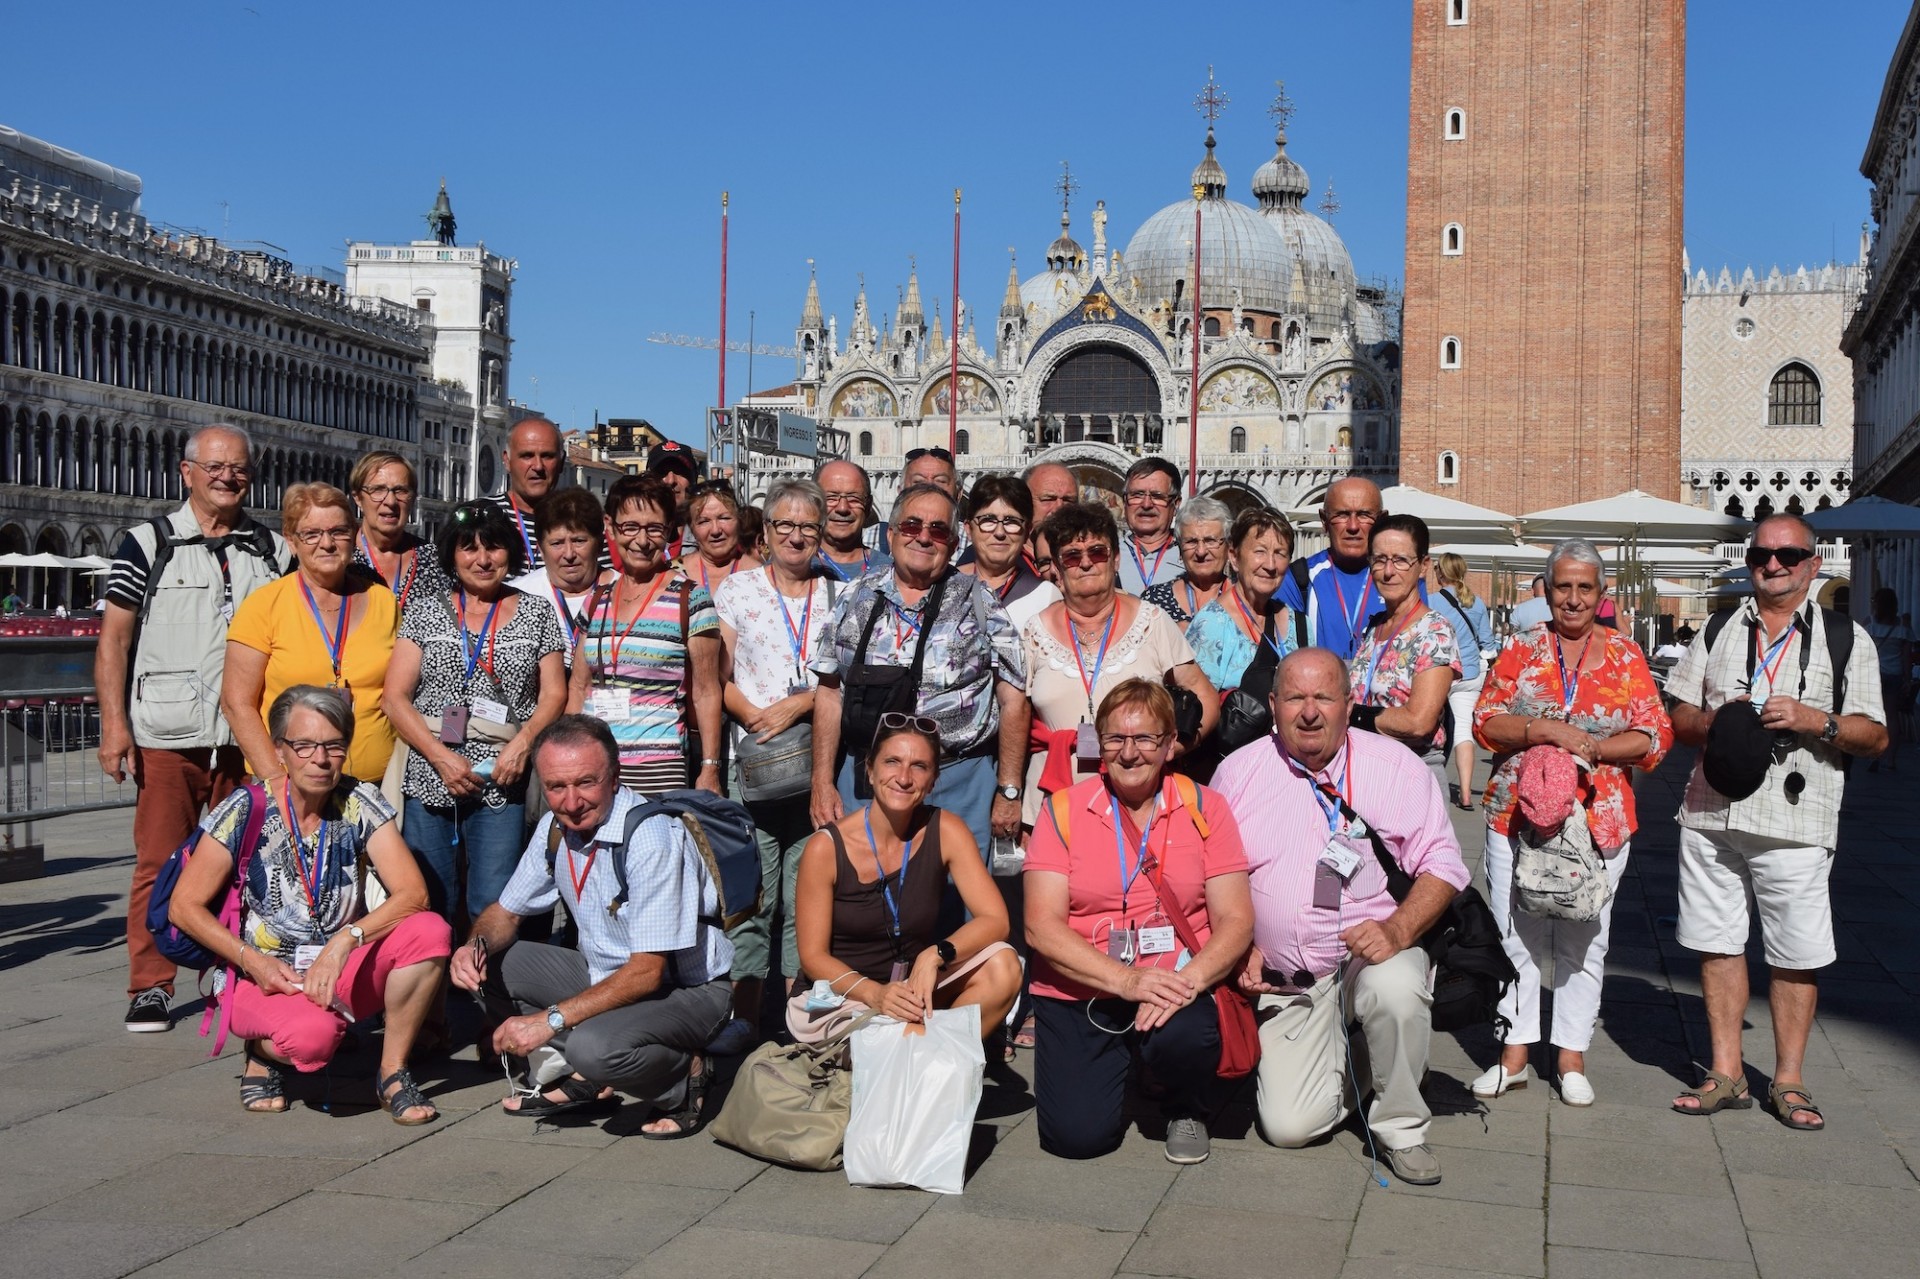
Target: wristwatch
x=556 y=1019
x=359 y=938
x=945 y=949
x=1831 y=730
x=1010 y=791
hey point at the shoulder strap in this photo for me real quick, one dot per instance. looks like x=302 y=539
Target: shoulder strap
x=257 y=803
x=1189 y=792
x=1399 y=883
x=1839 y=629
x=927 y=620
x=1717 y=622
x=1454 y=601
x=1060 y=810
x=1302 y=578
x=162 y=527
x=553 y=841
x=866 y=635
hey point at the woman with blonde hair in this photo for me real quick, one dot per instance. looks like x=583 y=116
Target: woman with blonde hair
x=1473 y=631
x=383 y=484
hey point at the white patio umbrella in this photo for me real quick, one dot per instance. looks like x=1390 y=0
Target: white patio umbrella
x=1445 y=517
x=1633 y=516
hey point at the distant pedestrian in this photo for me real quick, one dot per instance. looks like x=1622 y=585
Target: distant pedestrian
x=1893 y=645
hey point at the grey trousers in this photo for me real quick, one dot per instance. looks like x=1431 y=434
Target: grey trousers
x=643 y=1049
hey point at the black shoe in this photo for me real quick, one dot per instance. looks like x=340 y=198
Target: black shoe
x=151 y=1010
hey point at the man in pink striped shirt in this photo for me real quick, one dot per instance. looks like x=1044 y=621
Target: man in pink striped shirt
x=1330 y=944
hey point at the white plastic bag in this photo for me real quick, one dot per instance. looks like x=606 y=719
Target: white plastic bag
x=914 y=1101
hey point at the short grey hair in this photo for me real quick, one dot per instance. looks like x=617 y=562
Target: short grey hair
x=329 y=703
x=1580 y=551
x=919 y=491
x=1203 y=510
x=796 y=490
x=217 y=428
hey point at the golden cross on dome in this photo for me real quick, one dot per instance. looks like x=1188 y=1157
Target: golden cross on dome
x=1211 y=100
x=1066 y=186
x=1282 y=108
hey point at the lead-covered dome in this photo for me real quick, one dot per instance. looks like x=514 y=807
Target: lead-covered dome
x=1323 y=267
x=1238 y=249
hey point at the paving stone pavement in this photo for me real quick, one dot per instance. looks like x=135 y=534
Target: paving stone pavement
x=124 y=1154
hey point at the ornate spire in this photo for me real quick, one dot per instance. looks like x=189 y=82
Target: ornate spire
x=1209 y=179
x=810 y=313
x=936 y=339
x=1280 y=183
x=911 y=311
x=440 y=223
x=1010 y=306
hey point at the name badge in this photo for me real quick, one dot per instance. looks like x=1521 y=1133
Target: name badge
x=1087 y=744
x=1158 y=941
x=491 y=711
x=305 y=957
x=613 y=705
x=798 y=687
x=1338 y=857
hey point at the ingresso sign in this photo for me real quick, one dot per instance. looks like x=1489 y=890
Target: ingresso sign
x=797 y=435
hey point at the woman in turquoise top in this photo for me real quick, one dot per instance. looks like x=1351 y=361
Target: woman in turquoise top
x=1224 y=634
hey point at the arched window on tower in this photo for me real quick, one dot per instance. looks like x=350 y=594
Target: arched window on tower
x=1456 y=13
x=1456 y=126
x=1450 y=353
x=1449 y=469
x=1237 y=440
x=1452 y=240
x=1793 y=397
x=866 y=444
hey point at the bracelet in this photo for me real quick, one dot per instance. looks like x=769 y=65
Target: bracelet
x=709 y=763
x=854 y=987
x=1526 y=732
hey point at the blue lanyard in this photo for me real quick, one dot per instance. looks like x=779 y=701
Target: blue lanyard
x=1327 y=807
x=533 y=556
x=828 y=562
x=1099 y=660
x=336 y=646
x=1772 y=658
x=1569 y=688
x=485 y=644
x=1120 y=846
x=1380 y=650
x=309 y=878
x=886 y=892
x=1140 y=561
x=796 y=640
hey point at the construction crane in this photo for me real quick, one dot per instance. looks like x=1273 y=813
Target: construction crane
x=713 y=344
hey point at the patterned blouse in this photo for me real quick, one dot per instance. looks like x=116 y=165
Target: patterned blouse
x=507 y=670
x=1220 y=641
x=1616 y=695
x=418 y=571
x=641 y=684
x=1420 y=645
x=283 y=908
x=1177 y=599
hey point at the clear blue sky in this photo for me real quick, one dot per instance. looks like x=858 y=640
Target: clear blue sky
x=591 y=142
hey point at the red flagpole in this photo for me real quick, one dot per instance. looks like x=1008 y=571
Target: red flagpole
x=721 y=401
x=1193 y=395
x=953 y=366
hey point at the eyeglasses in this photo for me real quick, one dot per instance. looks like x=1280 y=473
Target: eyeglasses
x=382 y=492
x=1398 y=563
x=1137 y=497
x=1203 y=543
x=221 y=470
x=1041 y=563
x=933 y=530
x=473 y=513
x=940 y=453
x=1790 y=557
x=1355 y=517
x=315 y=536
x=658 y=532
x=1114 y=743
x=303 y=748
x=846 y=499
x=994 y=523
x=1091 y=556
x=787 y=528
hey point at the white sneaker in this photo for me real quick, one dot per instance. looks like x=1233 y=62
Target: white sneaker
x=1575 y=1090
x=1496 y=1080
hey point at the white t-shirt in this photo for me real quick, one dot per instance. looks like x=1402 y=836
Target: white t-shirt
x=538 y=584
x=770 y=655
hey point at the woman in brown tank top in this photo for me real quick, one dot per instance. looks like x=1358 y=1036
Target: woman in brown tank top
x=867 y=904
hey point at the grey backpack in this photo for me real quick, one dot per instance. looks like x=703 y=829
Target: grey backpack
x=1560 y=875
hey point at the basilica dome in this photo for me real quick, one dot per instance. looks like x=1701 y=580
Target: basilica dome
x=1060 y=282
x=1323 y=268
x=1239 y=248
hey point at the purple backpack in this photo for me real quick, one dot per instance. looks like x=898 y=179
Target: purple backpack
x=182 y=949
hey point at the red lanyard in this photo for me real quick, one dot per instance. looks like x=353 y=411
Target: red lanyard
x=513 y=508
x=620 y=636
x=391 y=576
x=1780 y=648
x=800 y=640
x=309 y=879
x=1246 y=618
x=579 y=877
x=905 y=623
x=1357 y=615
x=488 y=629
x=1380 y=650
x=1140 y=562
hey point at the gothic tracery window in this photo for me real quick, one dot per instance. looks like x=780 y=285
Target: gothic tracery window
x=1793 y=397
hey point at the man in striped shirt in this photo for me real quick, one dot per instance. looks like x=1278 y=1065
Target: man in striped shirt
x=1330 y=943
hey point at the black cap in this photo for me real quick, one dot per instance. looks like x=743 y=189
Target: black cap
x=671 y=455
x=1738 y=752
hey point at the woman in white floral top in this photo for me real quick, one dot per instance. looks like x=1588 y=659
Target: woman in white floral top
x=1408 y=658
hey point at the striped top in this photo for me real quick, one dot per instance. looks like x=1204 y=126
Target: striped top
x=638 y=668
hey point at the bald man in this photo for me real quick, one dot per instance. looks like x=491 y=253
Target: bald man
x=1331 y=593
x=1053 y=486
x=536 y=460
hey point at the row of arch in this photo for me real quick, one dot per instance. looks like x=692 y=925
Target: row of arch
x=100 y=346
x=42 y=450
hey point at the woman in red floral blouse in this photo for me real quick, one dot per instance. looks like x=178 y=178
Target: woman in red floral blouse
x=1586 y=690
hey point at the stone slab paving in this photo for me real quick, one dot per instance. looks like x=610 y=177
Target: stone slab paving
x=126 y=1154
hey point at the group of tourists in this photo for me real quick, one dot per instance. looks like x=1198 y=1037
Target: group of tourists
x=1134 y=788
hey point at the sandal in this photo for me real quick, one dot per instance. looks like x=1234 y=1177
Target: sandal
x=578 y=1093
x=404 y=1098
x=255 y=1090
x=1779 y=1101
x=1025 y=1038
x=692 y=1115
x=1726 y=1094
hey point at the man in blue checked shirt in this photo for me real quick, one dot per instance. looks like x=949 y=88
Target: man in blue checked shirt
x=632 y=1008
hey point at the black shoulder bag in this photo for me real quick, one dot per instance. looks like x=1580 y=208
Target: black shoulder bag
x=1471 y=968
x=868 y=692
x=1245 y=715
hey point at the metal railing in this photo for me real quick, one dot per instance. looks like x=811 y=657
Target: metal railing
x=48 y=744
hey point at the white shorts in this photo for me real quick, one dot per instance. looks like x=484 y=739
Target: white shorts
x=1460 y=700
x=1723 y=872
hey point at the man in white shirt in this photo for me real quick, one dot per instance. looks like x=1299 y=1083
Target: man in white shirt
x=631 y=1009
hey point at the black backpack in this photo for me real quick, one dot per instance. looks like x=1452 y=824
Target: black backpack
x=720 y=828
x=255 y=539
x=1839 y=632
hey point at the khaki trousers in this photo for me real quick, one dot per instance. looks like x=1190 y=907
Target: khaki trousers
x=1305 y=1086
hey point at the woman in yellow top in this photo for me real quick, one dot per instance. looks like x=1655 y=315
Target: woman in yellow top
x=324 y=624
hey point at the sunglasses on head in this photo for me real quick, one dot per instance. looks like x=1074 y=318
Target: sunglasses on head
x=898 y=721
x=1789 y=556
x=1075 y=556
x=933 y=530
x=940 y=453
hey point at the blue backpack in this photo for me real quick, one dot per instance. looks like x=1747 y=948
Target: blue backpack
x=723 y=832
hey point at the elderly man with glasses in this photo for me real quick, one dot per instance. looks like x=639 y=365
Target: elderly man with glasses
x=849 y=497
x=921 y=639
x=1148 y=553
x=1331 y=592
x=158 y=670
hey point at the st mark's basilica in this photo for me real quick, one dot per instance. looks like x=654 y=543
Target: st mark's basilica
x=1092 y=359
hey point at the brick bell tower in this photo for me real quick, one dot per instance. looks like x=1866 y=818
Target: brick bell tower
x=1541 y=340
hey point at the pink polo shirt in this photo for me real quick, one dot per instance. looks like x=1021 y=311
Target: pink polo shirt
x=1388 y=785
x=1091 y=864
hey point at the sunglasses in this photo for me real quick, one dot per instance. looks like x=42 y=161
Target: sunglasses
x=940 y=453
x=1790 y=557
x=899 y=721
x=1091 y=556
x=933 y=530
